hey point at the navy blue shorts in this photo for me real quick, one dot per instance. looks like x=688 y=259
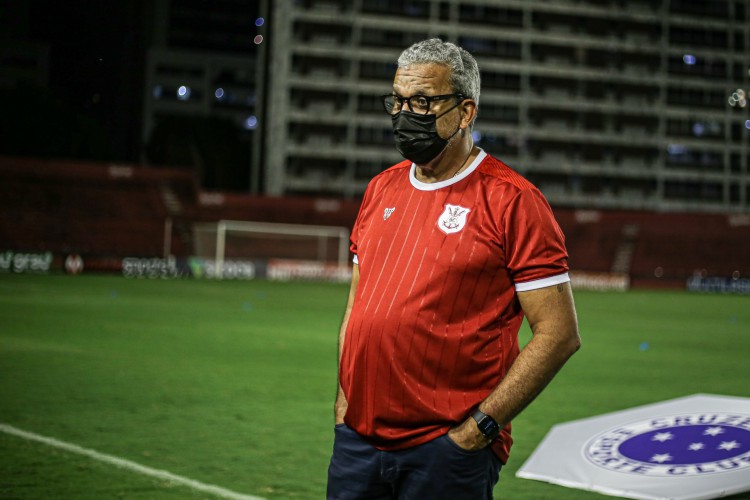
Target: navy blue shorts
x=439 y=469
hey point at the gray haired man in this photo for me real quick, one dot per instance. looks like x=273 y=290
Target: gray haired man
x=452 y=249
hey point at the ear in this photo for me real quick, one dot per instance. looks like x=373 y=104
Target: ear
x=468 y=113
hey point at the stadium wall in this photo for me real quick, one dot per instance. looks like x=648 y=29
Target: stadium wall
x=99 y=214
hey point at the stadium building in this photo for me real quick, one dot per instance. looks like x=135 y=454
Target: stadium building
x=630 y=115
x=629 y=104
x=203 y=61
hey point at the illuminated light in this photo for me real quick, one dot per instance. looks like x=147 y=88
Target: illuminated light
x=732 y=101
x=743 y=102
x=183 y=93
x=219 y=93
x=676 y=149
x=251 y=123
x=259 y=22
x=747 y=124
x=688 y=59
x=698 y=129
x=258 y=39
x=476 y=135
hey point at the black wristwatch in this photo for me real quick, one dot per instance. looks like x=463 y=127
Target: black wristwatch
x=486 y=424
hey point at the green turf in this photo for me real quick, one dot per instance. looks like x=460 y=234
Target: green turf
x=231 y=383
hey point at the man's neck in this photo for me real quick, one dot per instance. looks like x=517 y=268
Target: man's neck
x=448 y=163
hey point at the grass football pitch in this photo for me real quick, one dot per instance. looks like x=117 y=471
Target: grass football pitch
x=231 y=383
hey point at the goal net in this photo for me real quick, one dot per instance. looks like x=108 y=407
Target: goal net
x=288 y=250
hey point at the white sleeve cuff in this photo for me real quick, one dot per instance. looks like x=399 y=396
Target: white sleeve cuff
x=355 y=259
x=542 y=283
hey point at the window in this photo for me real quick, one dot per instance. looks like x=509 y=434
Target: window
x=494 y=16
x=371 y=70
x=500 y=49
x=372 y=37
x=411 y=8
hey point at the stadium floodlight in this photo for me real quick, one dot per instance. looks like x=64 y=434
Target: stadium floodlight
x=183 y=93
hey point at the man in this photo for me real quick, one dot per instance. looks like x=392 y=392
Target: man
x=452 y=248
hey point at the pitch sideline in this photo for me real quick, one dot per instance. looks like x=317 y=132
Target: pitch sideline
x=127 y=464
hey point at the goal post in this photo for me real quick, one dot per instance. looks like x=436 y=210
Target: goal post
x=226 y=240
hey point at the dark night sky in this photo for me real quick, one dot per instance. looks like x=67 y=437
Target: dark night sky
x=96 y=54
x=97 y=64
x=92 y=105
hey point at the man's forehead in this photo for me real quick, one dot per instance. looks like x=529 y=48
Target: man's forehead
x=417 y=78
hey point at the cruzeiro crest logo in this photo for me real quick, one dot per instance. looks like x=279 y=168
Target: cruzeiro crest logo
x=453 y=218
x=680 y=445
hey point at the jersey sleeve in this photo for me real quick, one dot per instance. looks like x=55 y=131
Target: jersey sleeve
x=369 y=207
x=534 y=243
x=354 y=238
x=359 y=223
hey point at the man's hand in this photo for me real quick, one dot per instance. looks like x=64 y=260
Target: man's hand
x=468 y=436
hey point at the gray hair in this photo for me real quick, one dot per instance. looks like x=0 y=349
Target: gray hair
x=464 y=69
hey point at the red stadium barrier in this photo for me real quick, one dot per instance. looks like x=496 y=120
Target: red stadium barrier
x=115 y=211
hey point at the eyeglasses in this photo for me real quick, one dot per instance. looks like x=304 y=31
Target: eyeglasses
x=419 y=104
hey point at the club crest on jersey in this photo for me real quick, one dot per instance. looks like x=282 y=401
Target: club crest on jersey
x=453 y=218
x=387 y=212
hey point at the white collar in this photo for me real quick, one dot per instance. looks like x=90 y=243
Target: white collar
x=432 y=186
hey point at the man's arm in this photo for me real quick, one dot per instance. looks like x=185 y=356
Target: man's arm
x=552 y=317
x=339 y=407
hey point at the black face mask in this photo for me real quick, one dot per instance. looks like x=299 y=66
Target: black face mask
x=416 y=136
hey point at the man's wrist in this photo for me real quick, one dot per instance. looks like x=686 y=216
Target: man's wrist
x=468 y=436
x=487 y=425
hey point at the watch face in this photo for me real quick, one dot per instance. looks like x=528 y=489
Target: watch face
x=488 y=426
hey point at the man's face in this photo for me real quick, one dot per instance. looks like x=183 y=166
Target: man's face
x=429 y=80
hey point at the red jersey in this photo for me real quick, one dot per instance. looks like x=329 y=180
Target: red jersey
x=435 y=320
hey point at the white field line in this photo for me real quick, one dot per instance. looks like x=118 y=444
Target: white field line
x=127 y=464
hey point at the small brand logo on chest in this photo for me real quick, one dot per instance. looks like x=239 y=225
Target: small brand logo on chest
x=387 y=212
x=453 y=218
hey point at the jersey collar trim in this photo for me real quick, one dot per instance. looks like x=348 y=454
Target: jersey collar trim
x=432 y=186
